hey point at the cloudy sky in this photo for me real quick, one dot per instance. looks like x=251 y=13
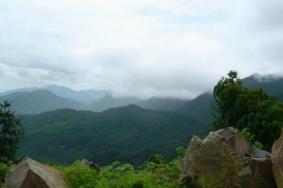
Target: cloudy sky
x=138 y=47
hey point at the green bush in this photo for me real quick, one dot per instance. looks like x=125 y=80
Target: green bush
x=117 y=175
x=79 y=176
x=3 y=170
x=251 y=138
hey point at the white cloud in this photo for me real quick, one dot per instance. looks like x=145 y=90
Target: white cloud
x=137 y=47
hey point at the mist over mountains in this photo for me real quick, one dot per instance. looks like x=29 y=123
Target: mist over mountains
x=35 y=100
x=108 y=128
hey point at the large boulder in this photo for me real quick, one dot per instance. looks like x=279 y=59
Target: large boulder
x=225 y=159
x=277 y=161
x=31 y=174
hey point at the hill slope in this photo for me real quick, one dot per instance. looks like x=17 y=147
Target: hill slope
x=38 y=101
x=154 y=103
x=126 y=134
x=201 y=108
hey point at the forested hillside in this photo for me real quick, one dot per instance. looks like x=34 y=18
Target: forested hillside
x=128 y=134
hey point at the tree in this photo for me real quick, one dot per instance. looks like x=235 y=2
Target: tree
x=11 y=133
x=225 y=94
x=252 y=110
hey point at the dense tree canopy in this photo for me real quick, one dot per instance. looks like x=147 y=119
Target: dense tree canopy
x=249 y=109
x=11 y=133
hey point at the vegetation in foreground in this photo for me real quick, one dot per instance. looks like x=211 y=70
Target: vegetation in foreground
x=116 y=175
x=154 y=173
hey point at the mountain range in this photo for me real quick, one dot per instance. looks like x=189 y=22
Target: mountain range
x=49 y=98
x=82 y=96
x=128 y=129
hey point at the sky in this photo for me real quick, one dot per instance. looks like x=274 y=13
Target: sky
x=144 y=48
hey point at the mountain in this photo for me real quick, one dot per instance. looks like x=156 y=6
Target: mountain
x=108 y=102
x=154 y=103
x=93 y=100
x=28 y=89
x=37 y=101
x=128 y=134
x=201 y=108
x=83 y=96
x=271 y=84
x=164 y=104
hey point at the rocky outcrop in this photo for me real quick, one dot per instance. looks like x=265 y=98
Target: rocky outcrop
x=277 y=161
x=91 y=165
x=32 y=174
x=225 y=159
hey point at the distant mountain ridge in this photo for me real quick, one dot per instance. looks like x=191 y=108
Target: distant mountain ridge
x=100 y=100
x=271 y=84
x=202 y=107
x=38 y=101
x=82 y=96
x=93 y=100
x=154 y=103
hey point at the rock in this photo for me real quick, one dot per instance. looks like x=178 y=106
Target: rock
x=31 y=174
x=91 y=165
x=232 y=138
x=225 y=159
x=187 y=173
x=277 y=161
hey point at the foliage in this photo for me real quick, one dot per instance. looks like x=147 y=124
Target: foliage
x=117 y=175
x=11 y=133
x=79 y=176
x=127 y=134
x=3 y=170
x=157 y=158
x=181 y=151
x=250 y=138
x=247 y=108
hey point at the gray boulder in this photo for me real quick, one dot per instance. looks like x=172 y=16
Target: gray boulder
x=225 y=159
x=32 y=174
x=277 y=161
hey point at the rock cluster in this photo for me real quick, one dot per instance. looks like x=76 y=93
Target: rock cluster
x=225 y=159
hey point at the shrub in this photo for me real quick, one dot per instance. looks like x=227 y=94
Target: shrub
x=78 y=175
x=117 y=175
x=3 y=170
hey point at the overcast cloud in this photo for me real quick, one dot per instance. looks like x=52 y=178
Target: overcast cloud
x=138 y=47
